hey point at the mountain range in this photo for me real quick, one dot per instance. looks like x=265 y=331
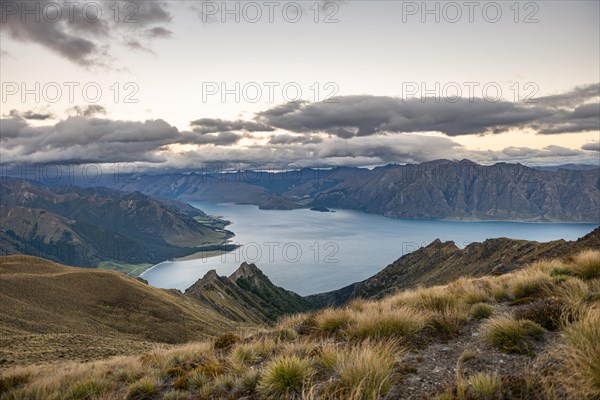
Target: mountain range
x=439 y=189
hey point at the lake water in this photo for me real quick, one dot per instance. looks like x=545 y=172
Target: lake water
x=313 y=252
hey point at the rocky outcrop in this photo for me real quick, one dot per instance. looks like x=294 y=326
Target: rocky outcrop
x=247 y=295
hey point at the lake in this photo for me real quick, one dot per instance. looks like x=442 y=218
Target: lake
x=312 y=252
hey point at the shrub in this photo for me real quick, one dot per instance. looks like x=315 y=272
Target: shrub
x=212 y=367
x=364 y=372
x=485 y=386
x=511 y=335
x=546 y=312
x=143 y=389
x=181 y=383
x=285 y=377
x=225 y=341
x=586 y=264
x=481 y=311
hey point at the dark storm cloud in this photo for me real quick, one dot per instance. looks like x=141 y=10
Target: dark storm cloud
x=368 y=115
x=80 y=39
x=210 y=125
x=583 y=118
x=34 y=115
x=81 y=138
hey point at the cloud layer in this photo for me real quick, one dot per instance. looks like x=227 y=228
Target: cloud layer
x=358 y=130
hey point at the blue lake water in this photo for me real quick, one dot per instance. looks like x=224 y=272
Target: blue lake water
x=313 y=252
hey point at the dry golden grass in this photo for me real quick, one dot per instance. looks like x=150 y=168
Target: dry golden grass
x=352 y=352
x=586 y=264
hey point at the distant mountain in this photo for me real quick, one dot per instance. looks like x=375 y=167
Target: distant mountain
x=443 y=262
x=86 y=226
x=439 y=189
x=51 y=311
x=466 y=190
x=247 y=295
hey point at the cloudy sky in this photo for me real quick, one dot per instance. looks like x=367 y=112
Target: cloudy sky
x=174 y=84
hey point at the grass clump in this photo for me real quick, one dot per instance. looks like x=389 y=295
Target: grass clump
x=581 y=355
x=511 y=335
x=285 y=377
x=365 y=372
x=485 y=386
x=333 y=321
x=145 y=388
x=388 y=323
x=545 y=312
x=530 y=283
x=586 y=264
x=481 y=311
x=468 y=290
x=11 y=382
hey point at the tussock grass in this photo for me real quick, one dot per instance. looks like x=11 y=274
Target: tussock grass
x=580 y=352
x=530 y=283
x=333 y=321
x=511 y=335
x=352 y=353
x=481 y=311
x=143 y=389
x=383 y=324
x=485 y=386
x=365 y=372
x=469 y=290
x=586 y=264
x=285 y=377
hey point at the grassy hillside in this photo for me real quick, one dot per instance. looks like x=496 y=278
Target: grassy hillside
x=51 y=312
x=530 y=334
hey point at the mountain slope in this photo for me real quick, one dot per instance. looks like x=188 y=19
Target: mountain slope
x=247 y=295
x=440 y=263
x=83 y=227
x=70 y=309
